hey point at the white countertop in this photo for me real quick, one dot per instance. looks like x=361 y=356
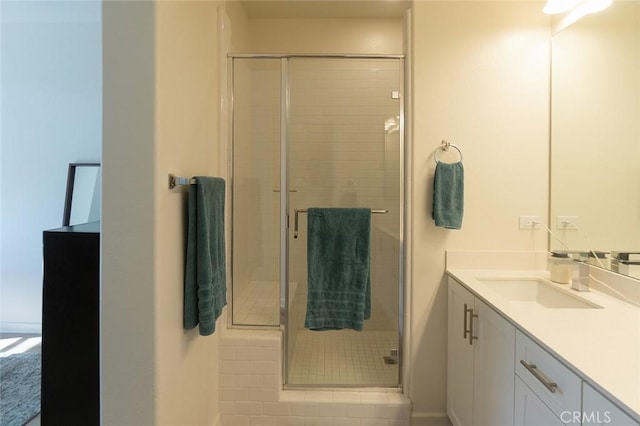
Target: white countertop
x=601 y=345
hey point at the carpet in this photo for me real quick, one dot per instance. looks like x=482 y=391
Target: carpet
x=19 y=388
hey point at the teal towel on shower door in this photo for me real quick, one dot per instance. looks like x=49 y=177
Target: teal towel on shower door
x=448 y=195
x=338 y=268
x=205 y=285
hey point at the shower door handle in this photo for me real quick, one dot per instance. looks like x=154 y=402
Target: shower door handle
x=295 y=224
x=291 y=190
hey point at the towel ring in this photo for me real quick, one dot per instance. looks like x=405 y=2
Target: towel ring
x=445 y=147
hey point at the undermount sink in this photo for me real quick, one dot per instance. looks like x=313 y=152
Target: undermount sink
x=537 y=291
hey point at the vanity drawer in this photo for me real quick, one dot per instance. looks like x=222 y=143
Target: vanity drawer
x=558 y=387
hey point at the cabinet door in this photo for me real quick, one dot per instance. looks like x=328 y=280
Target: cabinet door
x=598 y=410
x=493 y=368
x=460 y=357
x=530 y=410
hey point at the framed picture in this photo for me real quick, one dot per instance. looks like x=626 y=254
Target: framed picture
x=83 y=199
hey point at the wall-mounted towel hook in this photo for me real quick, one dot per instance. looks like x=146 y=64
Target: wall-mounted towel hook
x=445 y=145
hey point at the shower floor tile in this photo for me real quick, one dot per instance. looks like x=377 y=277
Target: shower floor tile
x=343 y=357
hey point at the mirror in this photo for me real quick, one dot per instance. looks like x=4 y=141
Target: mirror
x=595 y=135
x=84 y=194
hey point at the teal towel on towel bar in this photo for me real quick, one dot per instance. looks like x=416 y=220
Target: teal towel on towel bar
x=448 y=195
x=205 y=286
x=338 y=262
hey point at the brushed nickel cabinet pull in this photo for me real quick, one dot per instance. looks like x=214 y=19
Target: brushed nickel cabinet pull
x=471 y=336
x=466 y=330
x=468 y=325
x=532 y=369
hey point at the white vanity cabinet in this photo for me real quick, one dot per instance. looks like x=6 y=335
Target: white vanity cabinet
x=555 y=387
x=480 y=362
x=598 y=410
x=530 y=410
x=549 y=393
x=500 y=374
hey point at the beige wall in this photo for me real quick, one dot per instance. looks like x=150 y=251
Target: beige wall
x=238 y=23
x=186 y=135
x=480 y=80
x=373 y=36
x=160 y=102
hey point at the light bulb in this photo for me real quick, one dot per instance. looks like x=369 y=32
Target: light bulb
x=554 y=7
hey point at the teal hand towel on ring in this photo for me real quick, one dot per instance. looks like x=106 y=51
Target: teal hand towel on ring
x=338 y=268
x=448 y=195
x=205 y=284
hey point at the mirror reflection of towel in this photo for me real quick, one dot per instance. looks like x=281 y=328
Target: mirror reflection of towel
x=448 y=195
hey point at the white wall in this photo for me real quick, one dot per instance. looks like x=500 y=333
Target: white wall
x=50 y=90
x=161 y=100
x=480 y=80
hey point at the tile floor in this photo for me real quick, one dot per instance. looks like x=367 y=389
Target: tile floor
x=251 y=391
x=343 y=357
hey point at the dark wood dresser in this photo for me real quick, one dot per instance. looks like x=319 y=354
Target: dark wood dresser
x=70 y=326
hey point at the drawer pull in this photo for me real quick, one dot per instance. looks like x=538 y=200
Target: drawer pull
x=547 y=384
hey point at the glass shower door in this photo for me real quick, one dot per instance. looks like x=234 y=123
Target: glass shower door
x=345 y=150
x=256 y=194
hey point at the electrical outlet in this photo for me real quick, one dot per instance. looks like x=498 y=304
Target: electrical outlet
x=567 y=222
x=530 y=222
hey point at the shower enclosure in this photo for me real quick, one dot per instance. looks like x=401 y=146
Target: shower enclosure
x=314 y=131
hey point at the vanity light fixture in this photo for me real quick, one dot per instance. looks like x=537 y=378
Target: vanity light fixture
x=583 y=7
x=554 y=7
x=574 y=9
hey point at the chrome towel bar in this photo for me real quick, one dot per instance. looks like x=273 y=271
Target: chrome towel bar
x=295 y=225
x=177 y=180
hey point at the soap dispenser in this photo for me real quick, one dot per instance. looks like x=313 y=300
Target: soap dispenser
x=561 y=267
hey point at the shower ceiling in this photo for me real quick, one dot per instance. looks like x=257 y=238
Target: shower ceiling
x=265 y=9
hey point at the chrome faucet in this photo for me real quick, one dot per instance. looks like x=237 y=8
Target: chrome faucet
x=581 y=283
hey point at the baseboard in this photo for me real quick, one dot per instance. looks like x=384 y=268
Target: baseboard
x=430 y=419
x=21 y=327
